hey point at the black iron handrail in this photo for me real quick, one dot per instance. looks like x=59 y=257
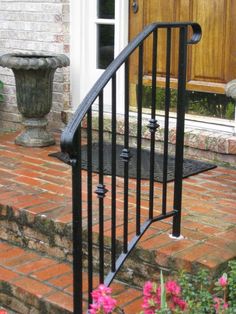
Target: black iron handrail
x=71 y=142
x=68 y=135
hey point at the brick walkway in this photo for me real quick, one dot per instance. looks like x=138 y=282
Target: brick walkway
x=35 y=212
x=38 y=282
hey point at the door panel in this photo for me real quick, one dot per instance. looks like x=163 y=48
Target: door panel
x=209 y=54
x=212 y=62
x=162 y=11
x=231 y=26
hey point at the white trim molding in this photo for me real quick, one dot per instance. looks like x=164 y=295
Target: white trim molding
x=83 y=45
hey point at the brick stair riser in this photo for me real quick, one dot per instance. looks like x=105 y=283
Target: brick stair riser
x=47 y=236
x=25 y=303
x=40 y=234
x=54 y=239
x=59 y=246
x=213 y=147
x=190 y=151
x=211 y=156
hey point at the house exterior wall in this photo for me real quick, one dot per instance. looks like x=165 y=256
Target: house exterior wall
x=33 y=25
x=49 y=26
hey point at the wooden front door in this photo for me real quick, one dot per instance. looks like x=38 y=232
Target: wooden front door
x=212 y=62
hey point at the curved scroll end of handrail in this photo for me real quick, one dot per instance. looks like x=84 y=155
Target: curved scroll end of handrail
x=67 y=142
x=197 y=34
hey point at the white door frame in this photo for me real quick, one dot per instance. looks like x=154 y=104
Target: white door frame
x=83 y=49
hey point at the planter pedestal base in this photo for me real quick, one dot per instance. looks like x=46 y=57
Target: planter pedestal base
x=35 y=134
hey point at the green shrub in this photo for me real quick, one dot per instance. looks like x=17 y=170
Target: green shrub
x=189 y=293
x=196 y=292
x=232 y=285
x=207 y=104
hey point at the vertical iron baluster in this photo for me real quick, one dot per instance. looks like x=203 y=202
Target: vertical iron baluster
x=113 y=175
x=89 y=204
x=139 y=137
x=153 y=124
x=181 y=104
x=166 y=126
x=101 y=190
x=125 y=155
x=77 y=225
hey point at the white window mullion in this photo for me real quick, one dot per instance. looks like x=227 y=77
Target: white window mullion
x=84 y=25
x=105 y=22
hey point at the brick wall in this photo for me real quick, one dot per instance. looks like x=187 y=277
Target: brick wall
x=38 y=25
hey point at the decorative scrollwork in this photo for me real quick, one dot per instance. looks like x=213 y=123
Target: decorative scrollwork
x=125 y=155
x=101 y=190
x=153 y=125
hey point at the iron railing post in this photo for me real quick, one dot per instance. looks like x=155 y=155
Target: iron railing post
x=89 y=205
x=77 y=227
x=179 y=148
x=153 y=125
x=125 y=156
x=113 y=177
x=166 y=123
x=139 y=137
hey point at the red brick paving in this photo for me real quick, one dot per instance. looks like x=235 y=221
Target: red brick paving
x=7 y=275
x=51 y=271
x=54 y=288
x=32 y=181
x=35 y=265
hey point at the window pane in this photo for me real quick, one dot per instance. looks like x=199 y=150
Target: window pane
x=106 y=9
x=105 y=45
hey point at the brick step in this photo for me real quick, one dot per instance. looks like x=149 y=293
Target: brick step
x=35 y=283
x=35 y=213
x=48 y=236
x=156 y=250
x=199 y=248
x=200 y=141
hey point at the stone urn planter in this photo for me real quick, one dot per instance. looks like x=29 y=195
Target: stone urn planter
x=34 y=74
x=230 y=89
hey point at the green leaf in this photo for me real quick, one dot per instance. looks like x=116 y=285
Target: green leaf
x=163 y=293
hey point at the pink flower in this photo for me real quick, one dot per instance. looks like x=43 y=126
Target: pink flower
x=151 y=299
x=172 y=288
x=104 y=305
x=102 y=301
x=182 y=304
x=217 y=302
x=148 y=289
x=108 y=304
x=223 y=281
x=94 y=308
x=225 y=306
x=150 y=304
x=102 y=290
x=177 y=301
x=3 y=311
x=220 y=304
x=173 y=293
